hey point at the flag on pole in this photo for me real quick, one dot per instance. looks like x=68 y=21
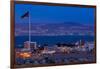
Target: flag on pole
x=29 y=24
x=25 y=15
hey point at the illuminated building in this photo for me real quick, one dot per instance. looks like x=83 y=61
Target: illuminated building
x=33 y=46
x=27 y=45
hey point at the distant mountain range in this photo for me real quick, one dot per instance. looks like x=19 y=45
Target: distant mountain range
x=66 y=28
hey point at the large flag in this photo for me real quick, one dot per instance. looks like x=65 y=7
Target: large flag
x=25 y=15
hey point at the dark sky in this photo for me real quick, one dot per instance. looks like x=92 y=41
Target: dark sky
x=54 y=14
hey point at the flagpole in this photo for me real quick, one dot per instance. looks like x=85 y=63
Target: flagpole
x=29 y=30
